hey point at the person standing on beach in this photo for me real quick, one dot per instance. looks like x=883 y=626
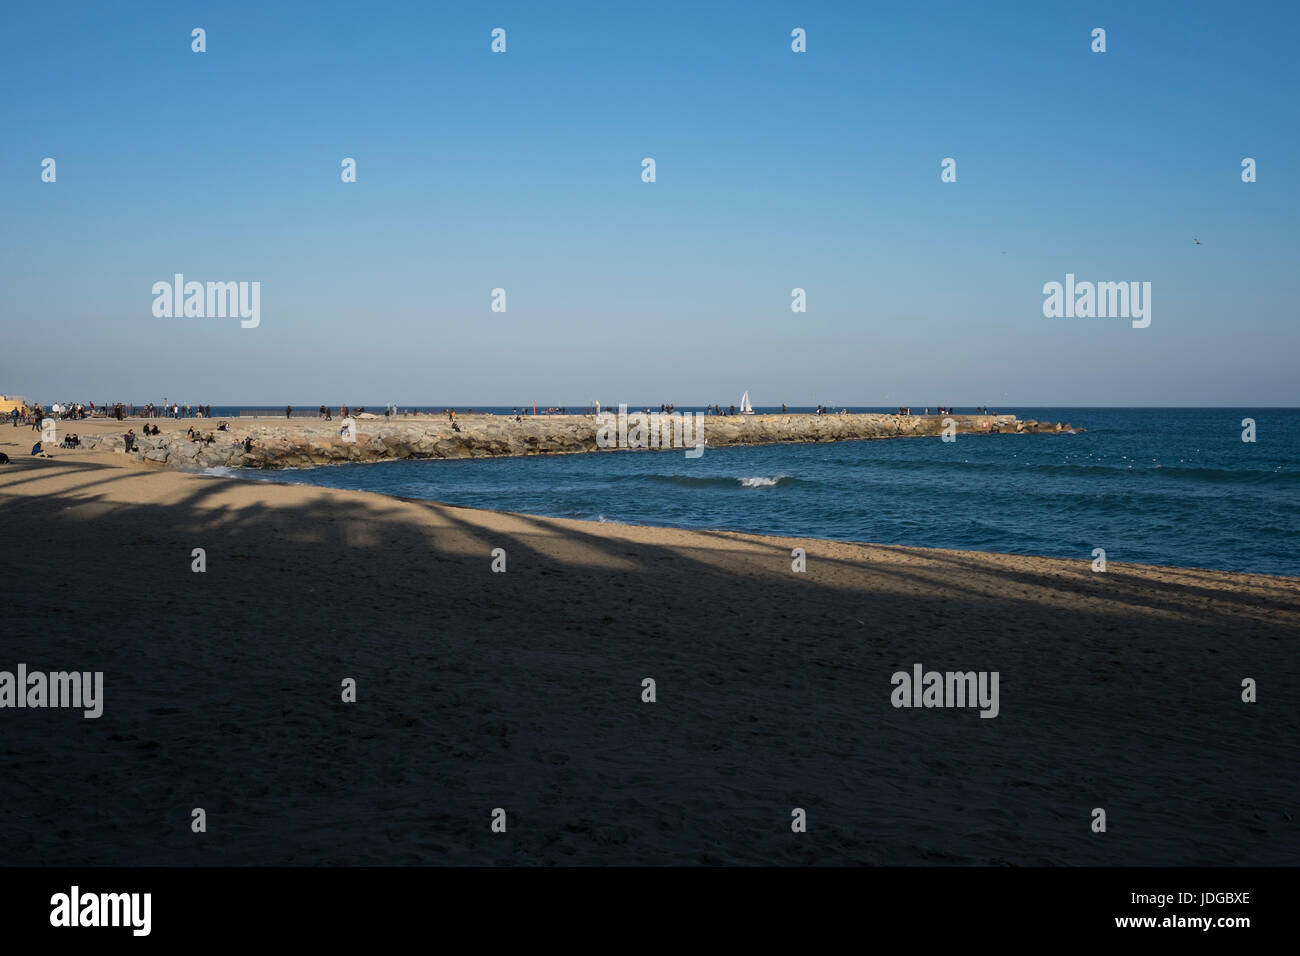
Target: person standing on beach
x=288 y=411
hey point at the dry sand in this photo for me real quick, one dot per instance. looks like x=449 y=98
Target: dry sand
x=522 y=690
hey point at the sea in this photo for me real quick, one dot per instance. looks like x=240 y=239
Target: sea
x=1168 y=486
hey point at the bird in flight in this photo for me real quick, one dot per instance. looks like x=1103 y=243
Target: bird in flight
x=1196 y=241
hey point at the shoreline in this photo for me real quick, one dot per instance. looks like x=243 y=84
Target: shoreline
x=261 y=475
x=106 y=454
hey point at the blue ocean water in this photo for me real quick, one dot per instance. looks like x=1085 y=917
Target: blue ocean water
x=1151 y=486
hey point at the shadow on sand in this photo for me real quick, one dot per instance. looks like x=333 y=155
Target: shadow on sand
x=523 y=691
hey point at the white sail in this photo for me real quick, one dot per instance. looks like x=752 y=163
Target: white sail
x=745 y=407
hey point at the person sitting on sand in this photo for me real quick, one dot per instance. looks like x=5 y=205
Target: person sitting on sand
x=223 y=427
x=39 y=452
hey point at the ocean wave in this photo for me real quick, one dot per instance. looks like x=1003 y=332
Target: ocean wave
x=694 y=481
x=250 y=474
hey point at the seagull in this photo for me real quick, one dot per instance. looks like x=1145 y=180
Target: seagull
x=1196 y=241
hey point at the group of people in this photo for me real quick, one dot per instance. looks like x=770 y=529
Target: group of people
x=192 y=434
x=344 y=411
x=941 y=410
x=179 y=411
x=76 y=411
x=174 y=410
x=73 y=441
x=70 y=410
x=391 y=411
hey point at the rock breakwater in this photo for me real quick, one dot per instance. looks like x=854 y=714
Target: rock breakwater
x=297 y=443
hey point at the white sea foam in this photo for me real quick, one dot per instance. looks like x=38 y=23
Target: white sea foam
x=759 y=482
x=253 y=474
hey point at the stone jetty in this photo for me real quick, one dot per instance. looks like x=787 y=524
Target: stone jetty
x=281 y=443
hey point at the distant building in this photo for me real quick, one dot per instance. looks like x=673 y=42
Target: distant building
x=9 y=402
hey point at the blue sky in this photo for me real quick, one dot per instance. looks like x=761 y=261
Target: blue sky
x=775 y=170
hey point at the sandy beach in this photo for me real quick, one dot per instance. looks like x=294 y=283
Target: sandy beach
x=522 y=690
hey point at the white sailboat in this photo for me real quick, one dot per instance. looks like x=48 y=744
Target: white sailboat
x=745 y=407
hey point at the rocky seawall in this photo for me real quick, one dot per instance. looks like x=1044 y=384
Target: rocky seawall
x=297 y=443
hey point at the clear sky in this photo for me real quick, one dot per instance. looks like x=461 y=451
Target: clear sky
x=775 y=170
